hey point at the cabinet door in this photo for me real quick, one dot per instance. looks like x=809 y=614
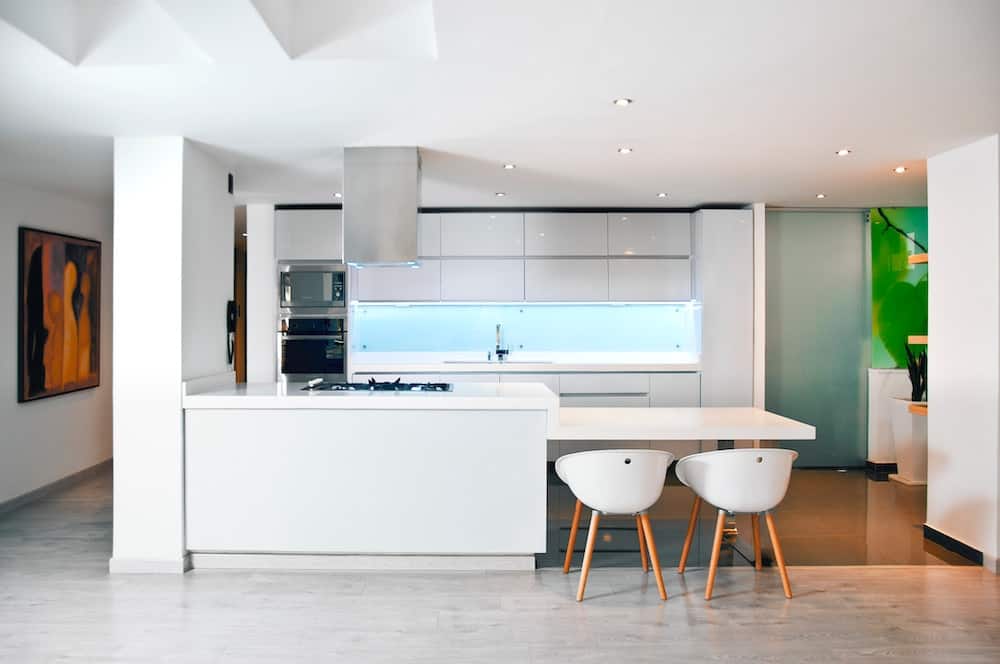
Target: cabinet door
x=429 y=377
x=635 y=384
x=649 y=234
x=678 y=390
x=566 y=280
x=482 y=234
x=649 y=279
x=400 y=284
x=308 y=235
x=565 y=234
x=428 y=234
x=485 y=279
x=550 y=381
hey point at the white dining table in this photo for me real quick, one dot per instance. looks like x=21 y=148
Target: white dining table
x=706 y=423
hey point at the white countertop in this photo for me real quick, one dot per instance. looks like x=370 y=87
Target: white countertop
x=464 y=396
x=677 y=424
x=522 y=362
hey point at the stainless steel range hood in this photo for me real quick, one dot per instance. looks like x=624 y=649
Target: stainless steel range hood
x=381 y=199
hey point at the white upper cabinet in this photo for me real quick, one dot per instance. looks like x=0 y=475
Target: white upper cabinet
x=482 y=234
x=649 y=234
x=565 y=234
x=485 y=279
x=566 y=280
x=308 y=235
x=649 y=279
x=398 y=284
x=428 y=234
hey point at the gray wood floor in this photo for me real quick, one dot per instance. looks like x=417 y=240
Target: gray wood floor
x=58 y=604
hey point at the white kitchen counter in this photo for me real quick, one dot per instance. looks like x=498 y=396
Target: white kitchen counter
x=464 y=396
x=522 y=362
x=676 y=424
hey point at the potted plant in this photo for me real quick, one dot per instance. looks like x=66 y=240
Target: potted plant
x=909 y=430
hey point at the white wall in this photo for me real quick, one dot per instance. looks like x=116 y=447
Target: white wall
x=43 y=441
x=262 y=295
x=174 y=254
x=208 y=262
x=963 y=200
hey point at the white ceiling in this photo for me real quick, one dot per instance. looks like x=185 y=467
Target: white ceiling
x=735 y=101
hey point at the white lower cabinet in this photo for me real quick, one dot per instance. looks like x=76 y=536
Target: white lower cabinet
x=677 y=390
x=398 y=284
x=550 y=381
x=430 y=378
x=649 y=279
x=494 y=280
x=604 y=390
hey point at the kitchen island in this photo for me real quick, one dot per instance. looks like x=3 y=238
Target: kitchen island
x=278 y=476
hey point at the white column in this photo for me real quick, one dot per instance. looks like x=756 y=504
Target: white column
x=173 y=252
x=963 y=197
x=262 y=295
x=724 y=284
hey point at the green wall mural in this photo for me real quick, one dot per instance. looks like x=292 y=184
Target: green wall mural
x=899 y=290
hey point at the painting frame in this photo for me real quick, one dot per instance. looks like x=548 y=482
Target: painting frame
x=27 y=391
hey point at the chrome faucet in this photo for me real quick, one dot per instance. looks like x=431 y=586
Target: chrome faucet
x=501 y=352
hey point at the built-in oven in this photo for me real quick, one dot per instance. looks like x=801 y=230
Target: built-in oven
x=313 y=289
x=312 y=347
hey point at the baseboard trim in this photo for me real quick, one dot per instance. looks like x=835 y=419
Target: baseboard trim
x=879 y=472
x=953 y=545
x=150 y=565
x=342 y=562
x=52 y=487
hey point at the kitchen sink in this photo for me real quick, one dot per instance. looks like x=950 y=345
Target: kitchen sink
x=497 y=362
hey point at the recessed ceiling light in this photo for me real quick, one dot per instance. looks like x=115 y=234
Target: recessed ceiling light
x=338 y=195
x=899 y=170
x=500 y=194
x=622 y=101
x=624 y=150
x=509 y=167
x=843 y=152
x=820 y=195
x=662 y=194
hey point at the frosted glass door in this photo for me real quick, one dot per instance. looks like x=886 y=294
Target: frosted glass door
x=817 y=331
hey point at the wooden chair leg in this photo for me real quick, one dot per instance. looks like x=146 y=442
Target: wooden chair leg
x=720 y=524
x=588 y=555
x=692 y=522
x=755 y=523
x=654 y=558
x=571 y=544
x=779 y=556
x=642 y=543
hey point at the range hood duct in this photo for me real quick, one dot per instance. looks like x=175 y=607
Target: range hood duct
x=381 y=199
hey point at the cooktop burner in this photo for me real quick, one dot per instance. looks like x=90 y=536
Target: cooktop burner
x=375 y=386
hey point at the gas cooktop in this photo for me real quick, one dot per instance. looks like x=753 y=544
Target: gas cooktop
x=375 y=386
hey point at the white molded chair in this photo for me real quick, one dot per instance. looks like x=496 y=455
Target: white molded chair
x=615 y=482
x=750 y=481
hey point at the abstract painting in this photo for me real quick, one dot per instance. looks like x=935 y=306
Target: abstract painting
x=59 y=314
x=899 y=290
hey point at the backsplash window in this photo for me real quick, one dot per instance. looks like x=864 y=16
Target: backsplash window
x=438 y=327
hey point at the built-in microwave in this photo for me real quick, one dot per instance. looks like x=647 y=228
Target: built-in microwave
x=312 y=347
x=312 y=288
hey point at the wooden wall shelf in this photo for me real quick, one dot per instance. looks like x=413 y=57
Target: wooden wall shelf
x=917 y=259
x=917 y=339
x=918 y=408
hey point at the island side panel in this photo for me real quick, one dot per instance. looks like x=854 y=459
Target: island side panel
x=365 y=481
